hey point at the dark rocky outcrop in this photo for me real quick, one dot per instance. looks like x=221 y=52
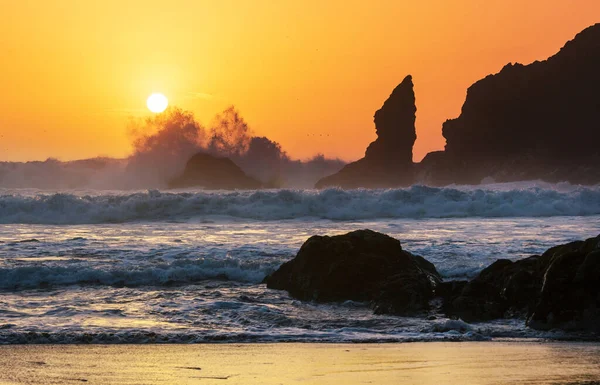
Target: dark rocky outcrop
x=388 y=160
x=503 y=289
x=362 y=265
x=558 y=289
x=570 y=293
x=214 y=173
x=536 y=121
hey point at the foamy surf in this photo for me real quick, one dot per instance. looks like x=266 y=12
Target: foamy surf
x=333 y=204
x=186 y=266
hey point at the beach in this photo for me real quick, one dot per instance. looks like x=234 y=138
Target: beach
x=290 y=363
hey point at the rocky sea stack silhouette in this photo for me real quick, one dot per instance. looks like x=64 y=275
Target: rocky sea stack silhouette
x=388 y=160
x=527 y=122
x=214 y=173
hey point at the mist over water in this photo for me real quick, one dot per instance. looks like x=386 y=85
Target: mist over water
x=162 y=144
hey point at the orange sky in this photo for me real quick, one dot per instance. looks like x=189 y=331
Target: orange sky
x=308 y=74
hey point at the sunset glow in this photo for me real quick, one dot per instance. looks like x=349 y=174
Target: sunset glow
x=295 y=70
x=299 y=191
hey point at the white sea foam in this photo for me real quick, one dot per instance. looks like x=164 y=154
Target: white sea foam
x=333 y=204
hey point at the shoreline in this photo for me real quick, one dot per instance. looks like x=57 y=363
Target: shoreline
x=89 y=339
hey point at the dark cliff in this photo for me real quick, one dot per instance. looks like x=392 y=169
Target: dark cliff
x=536 y=121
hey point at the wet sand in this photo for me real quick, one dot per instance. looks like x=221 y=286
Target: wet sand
x=409 y=363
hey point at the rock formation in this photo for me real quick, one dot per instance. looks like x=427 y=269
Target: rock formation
x=536 y=121
x=569 y=297
x=558 y=289
x=213 y=173
x=361 y=266
x=503 y=289
x=388 y=160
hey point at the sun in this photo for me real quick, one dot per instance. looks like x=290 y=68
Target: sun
x=157 y=102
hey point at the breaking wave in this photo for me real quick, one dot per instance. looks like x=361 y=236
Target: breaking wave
x=35 y=277
x=332 y=204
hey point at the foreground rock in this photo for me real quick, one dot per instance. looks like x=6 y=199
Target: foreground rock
x=570 y=291
x=362 y=266
x=502 y=290
x=214 y=173
x=558 y=289
x=388 y=160
x=536 y=121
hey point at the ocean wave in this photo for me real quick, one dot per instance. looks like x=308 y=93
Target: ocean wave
x=333 y=204
x=35 y=277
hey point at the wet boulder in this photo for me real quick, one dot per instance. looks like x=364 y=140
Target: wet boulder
x=503 y=289
x=569 y=297
x=361 y=265
x=558 y=289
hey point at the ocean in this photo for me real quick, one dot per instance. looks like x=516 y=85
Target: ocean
x=96 y=266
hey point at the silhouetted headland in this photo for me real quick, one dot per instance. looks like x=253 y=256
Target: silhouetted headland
x=536 y=121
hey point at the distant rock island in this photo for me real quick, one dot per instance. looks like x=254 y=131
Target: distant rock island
x=388 y=160
x=536 y=121
x=214 y=173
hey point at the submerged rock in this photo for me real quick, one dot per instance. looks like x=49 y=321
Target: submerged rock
x=361 y=265
x=388 y=160
x=214 y=173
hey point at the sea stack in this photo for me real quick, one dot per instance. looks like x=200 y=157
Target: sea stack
x=388 y=160
x=214 y=173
